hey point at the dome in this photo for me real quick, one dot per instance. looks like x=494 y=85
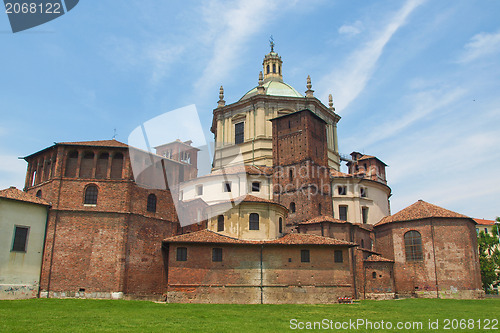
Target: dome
x=274 y=88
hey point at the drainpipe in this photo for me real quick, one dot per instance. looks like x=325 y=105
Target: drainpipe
x=434 y=254
x=261 y=277
x=353 y=261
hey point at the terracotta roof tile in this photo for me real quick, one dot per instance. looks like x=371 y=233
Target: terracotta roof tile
x=98 y=143
x=15 y=194
x=249 y=169
x=420 y=210
x=308 y=239
x=338 y=174
x=324 y=218
x=377 y=258
x=252 y=198
x=207 y=236
x=484 y=222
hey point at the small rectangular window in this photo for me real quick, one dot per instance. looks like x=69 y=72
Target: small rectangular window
x=20 y=239
x=304 y=256
x=363 y=192
x=216 y=254
x=256 y=187
x=220 y=223
x=181 y=254
x=239 y=133
x=226 y=186
x=343 y=213
x=342 y=190
x=199 y=190
x=338 y=256
x=364 y=213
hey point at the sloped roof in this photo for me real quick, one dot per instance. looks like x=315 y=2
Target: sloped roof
x=249 y=169
x=377 y=258
x=335 y=173
x=251 y=198
x=324 y=218
x=208 y=236
x=97 y=143
x=418 y=211
x=484 y=222
x=15 y=194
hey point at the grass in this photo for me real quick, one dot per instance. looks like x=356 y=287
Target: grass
x=83 y=315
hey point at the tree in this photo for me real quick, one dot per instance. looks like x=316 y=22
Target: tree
x=489 y=257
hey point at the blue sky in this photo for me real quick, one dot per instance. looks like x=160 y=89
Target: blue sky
x=417 y=83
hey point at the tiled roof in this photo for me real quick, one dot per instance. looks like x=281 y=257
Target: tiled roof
x=207 y=236
x=252 y=198
x=377 y=258
x=249 y=169
x=15 y=194
x=308 y=239
x=420 y=210
x=484 y=222
x=98 y=143
x=335 y=173
x=324 y=218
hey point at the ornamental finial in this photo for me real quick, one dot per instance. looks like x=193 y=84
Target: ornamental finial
x=309 y=91
x=330 y=102
x=271 y=43
x=221 y=102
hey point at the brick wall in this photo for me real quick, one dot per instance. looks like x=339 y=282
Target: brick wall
x=239 y=277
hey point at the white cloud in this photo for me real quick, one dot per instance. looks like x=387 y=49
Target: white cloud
x=348 y=82
x=230 y=28
x=351 y=30
x=481 y=45
x=424 y=103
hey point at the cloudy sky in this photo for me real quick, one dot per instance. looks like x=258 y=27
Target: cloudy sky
x=417 y=83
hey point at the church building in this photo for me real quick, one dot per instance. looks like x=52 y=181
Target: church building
x=275 y=221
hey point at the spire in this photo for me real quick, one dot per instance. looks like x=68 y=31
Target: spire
x=272 y=64
x=221 y=102
x=309 y=92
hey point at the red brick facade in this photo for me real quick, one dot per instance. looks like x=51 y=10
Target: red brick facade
x=301 y=179
x=112 y=245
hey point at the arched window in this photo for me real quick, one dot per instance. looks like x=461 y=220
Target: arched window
x=280 y=226
x=91 y=195
x=39 y=194
x=101 y=171
x=254 y=221
x=116 y=166
x=220 y=223
x=151 y=206
x=413 y=246
x=267 y=69
x=374 y=275
x=71 y=163
x=274 y=68
x=292 y=207
x=87 y=165
x=279 y=70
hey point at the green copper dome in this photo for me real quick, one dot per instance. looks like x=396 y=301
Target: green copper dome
x=275 y=88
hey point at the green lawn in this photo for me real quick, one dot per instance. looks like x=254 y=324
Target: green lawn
x=78 y=315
